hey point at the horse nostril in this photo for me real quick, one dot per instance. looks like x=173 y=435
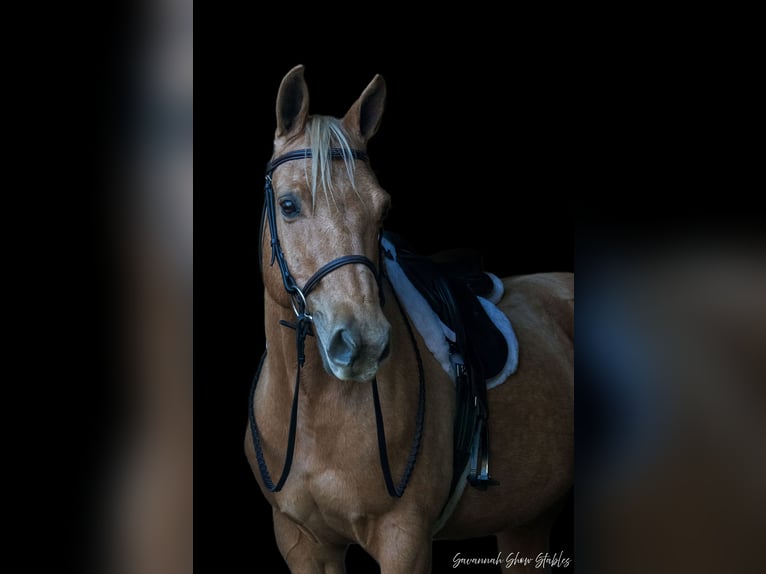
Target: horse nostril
x=343 y=347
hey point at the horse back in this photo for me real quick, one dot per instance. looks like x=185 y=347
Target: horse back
x=541 y=297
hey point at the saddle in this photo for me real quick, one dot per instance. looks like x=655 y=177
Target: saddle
x=450 y=282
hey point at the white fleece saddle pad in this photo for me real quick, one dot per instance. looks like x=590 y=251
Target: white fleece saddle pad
x=435 y=333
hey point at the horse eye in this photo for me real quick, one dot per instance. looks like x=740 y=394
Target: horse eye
x=289 y=207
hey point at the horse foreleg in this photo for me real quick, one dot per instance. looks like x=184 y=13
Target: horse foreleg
x=521 y=546
x=305 y=554
x=402 y=548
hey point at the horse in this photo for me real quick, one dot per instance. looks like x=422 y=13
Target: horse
x=341 y=332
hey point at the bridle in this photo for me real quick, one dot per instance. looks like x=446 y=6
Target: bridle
x=302 y=326
x=298 y=295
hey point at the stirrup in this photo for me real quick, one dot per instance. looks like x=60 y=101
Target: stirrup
x=479 y=477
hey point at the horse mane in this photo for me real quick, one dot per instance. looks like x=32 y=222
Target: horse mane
x=325 y=133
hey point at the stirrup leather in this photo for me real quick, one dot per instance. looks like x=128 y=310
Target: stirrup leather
x=478 y=476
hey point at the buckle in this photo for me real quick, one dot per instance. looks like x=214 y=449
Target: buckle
x=300 y=306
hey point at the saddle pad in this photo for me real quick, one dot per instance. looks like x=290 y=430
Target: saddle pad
x=435 y=333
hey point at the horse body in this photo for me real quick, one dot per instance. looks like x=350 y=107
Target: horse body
x=335 y=494
x=531 y=421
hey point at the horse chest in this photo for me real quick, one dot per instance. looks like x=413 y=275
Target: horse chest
x=328 y=502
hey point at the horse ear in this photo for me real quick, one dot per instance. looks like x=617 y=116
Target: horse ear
x=292 y=103
x=363 y=118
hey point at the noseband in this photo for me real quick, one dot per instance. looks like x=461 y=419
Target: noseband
x=302 y=328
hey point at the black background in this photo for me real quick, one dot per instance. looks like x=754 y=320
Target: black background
x=635 y=124
x=472 y=156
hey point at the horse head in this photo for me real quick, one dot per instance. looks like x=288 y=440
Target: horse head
x=328 y=205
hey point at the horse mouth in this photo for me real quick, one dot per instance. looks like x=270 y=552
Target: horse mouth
x=354 y=372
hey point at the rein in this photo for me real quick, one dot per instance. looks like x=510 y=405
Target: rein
x=302 y=327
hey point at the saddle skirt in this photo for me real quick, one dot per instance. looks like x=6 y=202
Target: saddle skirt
x=487 y=329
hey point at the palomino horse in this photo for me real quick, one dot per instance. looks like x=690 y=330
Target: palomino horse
x=315 y=424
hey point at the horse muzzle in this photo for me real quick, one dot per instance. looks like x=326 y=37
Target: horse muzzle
x=352 y=351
